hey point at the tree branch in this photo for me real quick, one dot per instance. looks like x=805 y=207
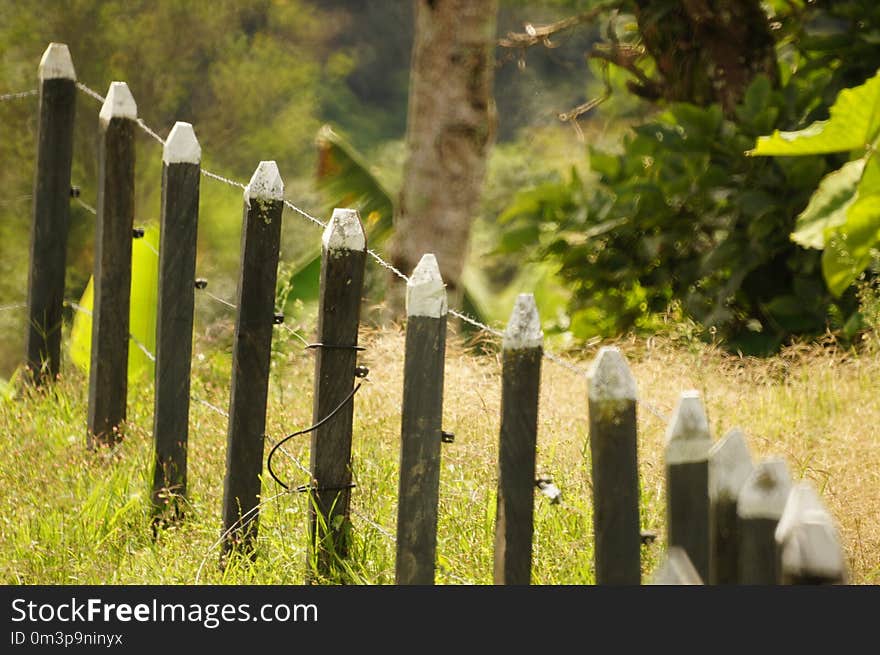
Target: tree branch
x=542 y=33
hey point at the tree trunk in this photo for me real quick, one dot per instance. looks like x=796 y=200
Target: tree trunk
x=450 y=128
x=706 y=50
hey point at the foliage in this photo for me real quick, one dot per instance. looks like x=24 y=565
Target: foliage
x=142 y=313
x=679 y=213
x=843 y=216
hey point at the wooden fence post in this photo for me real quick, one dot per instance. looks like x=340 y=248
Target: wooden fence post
x=421 y=424
x=174 y=323
x=687 y=481
x=51 y=214
x=807 y=543
x=108 y=368
x=730 y=464
x=613 y=449
x=342 y=280
x=522 y=350
x=260 y=240
x=759 y=506
x=676 y=569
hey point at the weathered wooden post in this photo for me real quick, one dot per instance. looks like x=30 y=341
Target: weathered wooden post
x=342 y=280
x=730 y=465
x=108 y=368
x=676 y=569
x=174 y=323
x=613 y=449
x=421 y=424
x=807 y=543
x=759 y=506
x=260 y=240
x=522 y=349
x=687 y=481
x=51 y=217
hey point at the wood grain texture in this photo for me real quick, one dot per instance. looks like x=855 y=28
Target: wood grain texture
x=174 y=326
x=261 y=235
x=108 y=371
x=50 y=226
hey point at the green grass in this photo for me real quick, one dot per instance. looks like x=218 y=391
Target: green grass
x=71 y=516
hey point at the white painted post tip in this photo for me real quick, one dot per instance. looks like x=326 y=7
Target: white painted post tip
x=676 y=569
x=266 y=184
x=119 y=103
x=425 y=291
x=812 y=550
x=730 y=465
x=524 y=327
x=687 y=436
x=182 y=146
x=803 y=504
x=56 y=63
x=609 y=376
x=765 y=492
x=345 y=231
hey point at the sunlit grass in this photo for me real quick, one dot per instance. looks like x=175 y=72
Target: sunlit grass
x=71 y=516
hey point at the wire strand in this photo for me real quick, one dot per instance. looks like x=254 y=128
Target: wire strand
x=17 y=96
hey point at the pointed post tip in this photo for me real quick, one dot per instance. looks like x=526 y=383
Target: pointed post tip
x=345 y=231
x=610 y=378
x=524 y=327
x=730 y=465
x=182 y=146
x=687 y=436
x=265 y=184
x=765 y=492
x=425 y=290
x=803 y=504
x=56 y=63
x=119 y=103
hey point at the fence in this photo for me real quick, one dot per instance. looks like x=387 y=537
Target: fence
x=728 y=520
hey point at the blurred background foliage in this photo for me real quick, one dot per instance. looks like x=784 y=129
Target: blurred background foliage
x=648 y=212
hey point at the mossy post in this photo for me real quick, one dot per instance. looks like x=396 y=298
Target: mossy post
x=759 y=507
x=730 y=465
x=421 y=424
x=341 y=285
x=174 y=323
x=251 y=349
x=808 y=546
x=522 y=350
x=51 y=214
x=615 y=471
x=687 y=481
x=108 y=368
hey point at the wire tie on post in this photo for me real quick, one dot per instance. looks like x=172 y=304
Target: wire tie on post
x=278 y=318
x=361 y=371
x=201 y=283
x=303 y=488
x=447 y=437
x=137 y=233
x=545 y=484
x=74 y=192
x=334 y=346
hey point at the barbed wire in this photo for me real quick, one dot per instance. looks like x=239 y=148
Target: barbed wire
x=18 y=95
x=381 y=261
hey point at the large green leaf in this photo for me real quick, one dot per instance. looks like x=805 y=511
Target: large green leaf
x=828 y=205
x=142 y=315
x=848 y=249
x=345 y=180
x=854 y=124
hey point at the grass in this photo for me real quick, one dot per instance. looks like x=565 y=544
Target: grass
x=71 y=516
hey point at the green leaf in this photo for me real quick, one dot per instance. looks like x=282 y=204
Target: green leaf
x=828 y=205
x=848 y=249
x=142 y=313
x=854 y=123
